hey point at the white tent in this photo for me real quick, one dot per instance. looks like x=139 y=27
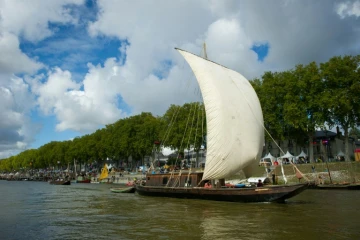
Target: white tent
x=269 y=156
x=287 y=155
x=302 y=154
x=340 y=154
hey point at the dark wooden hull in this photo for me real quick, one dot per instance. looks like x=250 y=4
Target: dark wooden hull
x=263 y=194
x=60 y=182
x=336 y=186
x=83 y=181
x=123 y=190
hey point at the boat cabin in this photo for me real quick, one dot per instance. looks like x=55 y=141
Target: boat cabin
x=184 y=180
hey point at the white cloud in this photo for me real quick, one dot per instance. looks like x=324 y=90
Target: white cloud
x=54 y=89
x=348 y=9
x=12 y=60
x=76 y=109
x=31 y=18
x=16 y=129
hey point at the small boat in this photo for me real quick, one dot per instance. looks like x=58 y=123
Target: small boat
x=83 y=181
x=123 y=190
x=352 y=186
x=60 y=182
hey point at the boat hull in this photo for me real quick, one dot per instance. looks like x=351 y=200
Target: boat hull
x=60 y=182
x=123 y=190
x=263 y=194
x=83 y=181
x=336 y=187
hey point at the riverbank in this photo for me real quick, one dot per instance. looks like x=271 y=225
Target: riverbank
x=340 y=172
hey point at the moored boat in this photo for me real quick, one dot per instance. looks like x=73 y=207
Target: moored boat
x=123 y=190
x=352 y=186
x=60 y=182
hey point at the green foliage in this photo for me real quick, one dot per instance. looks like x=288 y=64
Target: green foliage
x=297 y=102
x=354 y=133
x=184 y=126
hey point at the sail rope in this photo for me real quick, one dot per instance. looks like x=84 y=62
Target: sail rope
x=188 y=144
x=181 y=144
x=177 y=180
x=262 y=124
x=165 y=137
x=196 y=130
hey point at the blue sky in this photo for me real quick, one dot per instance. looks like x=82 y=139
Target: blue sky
x=74 y=66
x=261 y=50
x=71 y=48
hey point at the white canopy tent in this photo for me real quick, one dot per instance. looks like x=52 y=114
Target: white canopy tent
x=270 y=157
x=340 y=154
x=288 y=156
x=301 y=155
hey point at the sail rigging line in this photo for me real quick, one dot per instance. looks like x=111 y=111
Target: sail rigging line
x=168 y=130
x=197 y=121
x=166 y=134
x=174 y=117
x=188 y=144
x=262 y=124
x=192 y=124
x=177 y=180
x=181 y=144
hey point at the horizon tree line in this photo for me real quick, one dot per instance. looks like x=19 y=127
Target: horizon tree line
x=295 y=104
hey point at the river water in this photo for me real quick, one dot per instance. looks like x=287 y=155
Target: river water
x=38 y=210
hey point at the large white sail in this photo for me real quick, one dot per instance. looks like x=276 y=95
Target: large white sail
x=235 y=134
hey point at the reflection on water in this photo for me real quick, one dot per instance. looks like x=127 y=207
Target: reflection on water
x=36 y=210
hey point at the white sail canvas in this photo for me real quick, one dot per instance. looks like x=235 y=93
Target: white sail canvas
x=235 y=134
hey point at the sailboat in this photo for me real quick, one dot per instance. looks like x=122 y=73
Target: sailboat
x=235 y=141
x=104 y=173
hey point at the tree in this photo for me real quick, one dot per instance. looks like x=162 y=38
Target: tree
x=271 y=92
x=341 y=76
x=354 y=133
x=303 y=107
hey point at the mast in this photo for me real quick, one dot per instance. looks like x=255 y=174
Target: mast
x=75 y=169
x=204 y=48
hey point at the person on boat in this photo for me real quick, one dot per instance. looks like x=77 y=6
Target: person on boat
x=259 y=184
x=273 y=178
x=208 y=185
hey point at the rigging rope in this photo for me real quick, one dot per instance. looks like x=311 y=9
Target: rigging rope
x=182 y=141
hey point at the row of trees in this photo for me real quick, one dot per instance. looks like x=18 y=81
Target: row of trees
x=299 y=101
x=295 y=104
x=137 y=136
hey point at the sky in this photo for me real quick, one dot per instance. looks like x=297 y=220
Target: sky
x=70 y=67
